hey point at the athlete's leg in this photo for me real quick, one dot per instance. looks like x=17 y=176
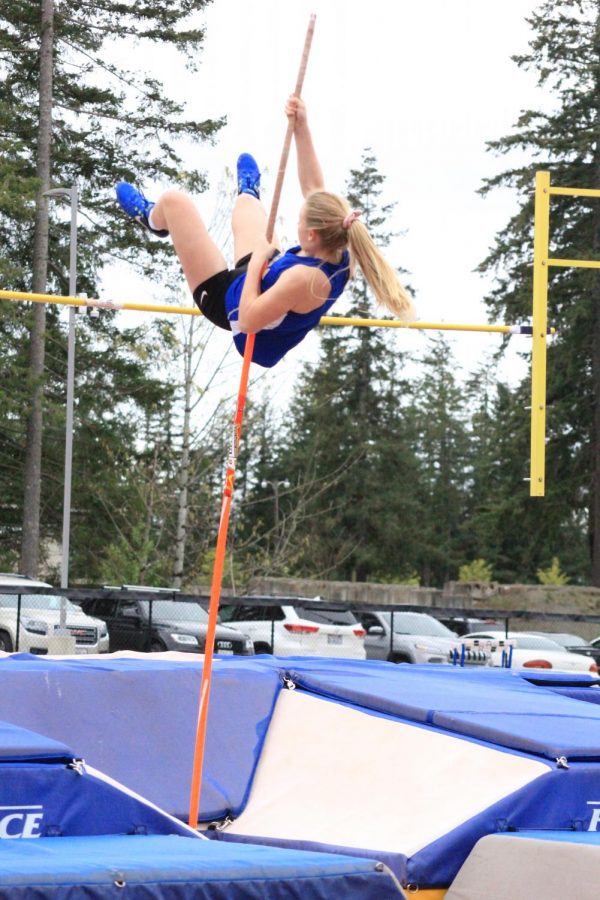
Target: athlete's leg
x=198 y=254
x=249 y=219
x=248 y=222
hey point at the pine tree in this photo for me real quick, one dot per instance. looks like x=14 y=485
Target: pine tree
x=480 y=394
x=442 y=449
x=121 y=440
x=521 y=538
x=346 y=451
x=565 y=54
x=70 y=115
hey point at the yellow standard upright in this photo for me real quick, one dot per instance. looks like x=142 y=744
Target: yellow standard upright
x=541 y=236
x=541 y=263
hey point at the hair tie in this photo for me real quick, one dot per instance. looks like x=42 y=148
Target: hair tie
x=351 y=217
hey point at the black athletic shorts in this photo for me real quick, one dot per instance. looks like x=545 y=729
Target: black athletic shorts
x=209 y=296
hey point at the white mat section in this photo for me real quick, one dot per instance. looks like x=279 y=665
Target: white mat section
x=501 y=868
x=340 y=776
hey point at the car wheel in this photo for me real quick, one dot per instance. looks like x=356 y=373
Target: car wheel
x=6 y=643
x=261 y=647
x=157 y=647
x=399 y=658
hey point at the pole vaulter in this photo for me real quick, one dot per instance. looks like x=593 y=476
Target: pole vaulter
x=230 y=479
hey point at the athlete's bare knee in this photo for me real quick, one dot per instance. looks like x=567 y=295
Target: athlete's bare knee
x=174 y=209
x=173 y=199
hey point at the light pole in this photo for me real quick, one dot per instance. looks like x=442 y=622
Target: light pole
x=71 y=194
x=276 y=485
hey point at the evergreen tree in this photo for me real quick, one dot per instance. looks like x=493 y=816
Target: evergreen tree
x=513 y=536
x=107 y=122
x=442 y=449
x=119 y=425
x=70 y=115
x=480 y=395
x=346 y=452
x=565 y=53
x=260 y=528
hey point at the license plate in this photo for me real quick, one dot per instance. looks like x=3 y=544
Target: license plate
x=224 y=652
x=334 y=639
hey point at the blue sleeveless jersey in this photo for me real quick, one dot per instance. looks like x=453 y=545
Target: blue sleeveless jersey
x=274 y=341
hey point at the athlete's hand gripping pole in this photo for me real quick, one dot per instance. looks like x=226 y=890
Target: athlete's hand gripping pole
x=215 y=593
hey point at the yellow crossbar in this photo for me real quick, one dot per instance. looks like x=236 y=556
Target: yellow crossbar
x=575 y=263
x=193 y=311
x=419 y=326
x=574 y=192
x=88 y=303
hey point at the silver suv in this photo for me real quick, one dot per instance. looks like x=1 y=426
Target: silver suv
x=416 y=638
x=37 y=617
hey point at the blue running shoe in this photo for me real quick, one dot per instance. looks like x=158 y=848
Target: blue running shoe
x=248 y=176
x=137 y=206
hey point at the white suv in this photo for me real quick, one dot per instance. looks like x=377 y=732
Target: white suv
x=285 y=627
x=411 y=637
x=37 y=618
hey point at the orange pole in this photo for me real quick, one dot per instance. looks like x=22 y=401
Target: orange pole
x=215 y=593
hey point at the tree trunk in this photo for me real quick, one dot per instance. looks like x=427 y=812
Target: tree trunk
x=30 y=543
x=595 y=486
x=184 y=467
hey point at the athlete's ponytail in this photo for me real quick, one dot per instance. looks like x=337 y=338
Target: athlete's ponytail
x=339 y=227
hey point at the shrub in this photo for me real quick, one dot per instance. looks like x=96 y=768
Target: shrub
x=476 y=570
x=553 y=574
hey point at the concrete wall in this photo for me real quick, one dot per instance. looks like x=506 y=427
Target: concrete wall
x=351 y=591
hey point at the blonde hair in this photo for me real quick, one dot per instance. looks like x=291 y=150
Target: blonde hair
x=325 y=214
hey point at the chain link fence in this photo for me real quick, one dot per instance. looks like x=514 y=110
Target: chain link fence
x=36 y=618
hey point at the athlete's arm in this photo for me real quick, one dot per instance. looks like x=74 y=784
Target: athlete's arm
x=310 y=174
x=298 y=289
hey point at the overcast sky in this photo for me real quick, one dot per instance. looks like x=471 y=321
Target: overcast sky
x=424 y=85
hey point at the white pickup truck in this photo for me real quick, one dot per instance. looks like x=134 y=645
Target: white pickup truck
x=29 y=622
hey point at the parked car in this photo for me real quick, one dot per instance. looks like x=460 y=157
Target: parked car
x=286 y=627
x=38 y=617
x=416 y=638
x=463 y=625
x=160 y=624
x=531 y=651
x=574 y=643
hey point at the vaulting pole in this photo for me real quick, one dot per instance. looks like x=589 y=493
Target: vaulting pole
x=215 y=592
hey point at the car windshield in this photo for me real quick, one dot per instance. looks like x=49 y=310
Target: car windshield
x=568 y=640
x=535 y=642
x=327 y=616
x=37 y=601
x=419 y=623
x=175 y=610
